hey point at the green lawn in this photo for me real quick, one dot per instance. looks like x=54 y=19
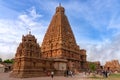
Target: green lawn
x=111 y=77
x=115 y=75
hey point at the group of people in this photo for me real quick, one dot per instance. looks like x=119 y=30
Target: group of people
x=51 y=74
x=105 y=73
x=68 y=73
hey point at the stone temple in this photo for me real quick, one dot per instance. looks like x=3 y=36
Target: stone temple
x=59 y=51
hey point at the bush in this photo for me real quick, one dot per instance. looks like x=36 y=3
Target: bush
x=92 y=67
x=0 y=59
x=8 y=61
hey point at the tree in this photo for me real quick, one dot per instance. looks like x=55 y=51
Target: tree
x=8 y=61
x=92 y=67
x=0 y=59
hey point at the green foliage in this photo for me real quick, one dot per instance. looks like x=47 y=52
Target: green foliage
x=111 y=77
x=92 y=66
x=0 y=59
x=8 y=61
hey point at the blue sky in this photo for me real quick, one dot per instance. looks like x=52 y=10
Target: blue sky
x=95 y=24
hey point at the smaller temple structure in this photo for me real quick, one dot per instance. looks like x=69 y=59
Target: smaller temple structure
x=27 y=58
x=112 y=65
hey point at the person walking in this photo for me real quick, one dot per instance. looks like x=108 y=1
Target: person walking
x=106 y=73
x=52 y=74
x=71 y=74
x=67 y=73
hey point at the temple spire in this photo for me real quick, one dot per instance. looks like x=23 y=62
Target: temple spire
x=60 y=9
x=29 y=31
x=59 y=32
x=59 y=4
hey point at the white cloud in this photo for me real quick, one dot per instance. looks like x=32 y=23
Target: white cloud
x=11 y=31
x=103 y=51
x=99 y=14
x=29 y=19
x=33 y=13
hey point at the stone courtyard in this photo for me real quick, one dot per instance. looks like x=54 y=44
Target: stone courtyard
x=81 y=76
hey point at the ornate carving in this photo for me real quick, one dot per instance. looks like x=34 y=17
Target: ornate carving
x=59 y=40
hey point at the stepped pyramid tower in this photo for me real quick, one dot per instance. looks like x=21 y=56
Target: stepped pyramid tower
x=59 y=41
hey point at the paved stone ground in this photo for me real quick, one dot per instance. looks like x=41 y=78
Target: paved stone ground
x=81 y=76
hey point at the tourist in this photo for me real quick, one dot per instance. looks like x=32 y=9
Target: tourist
x=71 y=74
x=106 y=73
x=103 y=73
x=67 y=73
x=52 y=74
x=48 y=73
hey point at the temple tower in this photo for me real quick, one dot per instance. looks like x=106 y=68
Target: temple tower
x=59 y=41
x=27 y=58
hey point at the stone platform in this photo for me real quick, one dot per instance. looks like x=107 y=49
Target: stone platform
x=81 y=76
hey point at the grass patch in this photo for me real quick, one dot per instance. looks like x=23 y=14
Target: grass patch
x=111 y=77
x=115 y=75
x=97 y=77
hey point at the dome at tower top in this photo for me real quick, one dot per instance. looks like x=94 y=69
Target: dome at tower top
x=29 y=37
x=60 y=9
